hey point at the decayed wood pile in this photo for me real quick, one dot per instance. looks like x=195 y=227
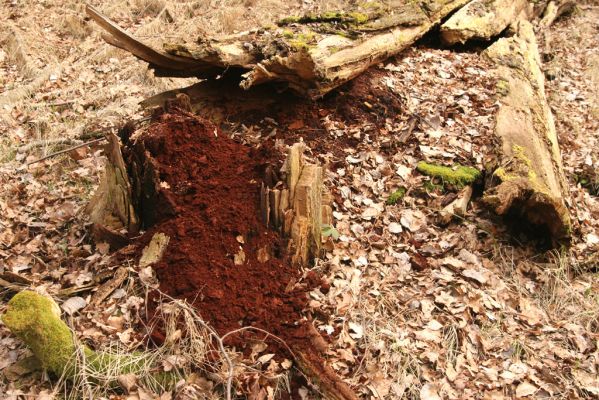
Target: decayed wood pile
x=312 y=54
x=527 y=175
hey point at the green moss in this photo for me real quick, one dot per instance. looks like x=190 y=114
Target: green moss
x=458 y=176
x=396 y=196
x=325 y=17
x=35 y=319
x=302 y=40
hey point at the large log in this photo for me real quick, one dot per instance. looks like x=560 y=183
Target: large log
x=527 y=176
x=311 y=54
x=481 y=20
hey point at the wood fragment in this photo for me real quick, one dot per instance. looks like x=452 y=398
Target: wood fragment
x=106 y=289
x=526 y=175
x=154 y=251
x=554 y=10
x=457 y=207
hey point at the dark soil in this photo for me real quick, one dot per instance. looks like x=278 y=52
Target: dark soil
x=211 y=184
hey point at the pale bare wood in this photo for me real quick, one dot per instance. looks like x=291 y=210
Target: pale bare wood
x=154 y=251
x=481 y=20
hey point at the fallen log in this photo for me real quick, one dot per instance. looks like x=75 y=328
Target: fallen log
x=311 y=54
x=35 y=319
x=481 y=20
x=526 y=175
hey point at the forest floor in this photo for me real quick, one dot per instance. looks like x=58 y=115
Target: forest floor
x=478 y=308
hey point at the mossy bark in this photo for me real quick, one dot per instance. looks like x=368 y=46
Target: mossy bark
x=311 y=54
x=526 y=168
x=457 y=176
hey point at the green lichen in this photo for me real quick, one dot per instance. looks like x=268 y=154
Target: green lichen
x=502 y=87
x=457 y=176
x=396 y=196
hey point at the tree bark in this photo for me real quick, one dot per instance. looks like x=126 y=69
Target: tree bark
x=527 y=176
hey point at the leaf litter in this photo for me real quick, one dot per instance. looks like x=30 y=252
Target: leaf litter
x=412 y=309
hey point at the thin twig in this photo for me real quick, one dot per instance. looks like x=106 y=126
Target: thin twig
x=47 y=142
x=66 y=150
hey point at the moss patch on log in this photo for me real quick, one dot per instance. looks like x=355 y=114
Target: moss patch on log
x=458 y=176
x=329 y=16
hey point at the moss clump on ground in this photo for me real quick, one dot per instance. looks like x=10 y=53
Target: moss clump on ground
x=35 y=319
x=396 y=196
x=457 y=176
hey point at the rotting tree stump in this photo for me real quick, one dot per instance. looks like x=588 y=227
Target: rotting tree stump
x=526 y=169
x=111 y=210
x=226 y=262
x=311 y=54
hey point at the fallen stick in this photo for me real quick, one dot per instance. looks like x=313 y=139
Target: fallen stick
x=48 y=142
x=66 y=150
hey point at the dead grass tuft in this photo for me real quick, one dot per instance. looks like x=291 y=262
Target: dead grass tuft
x=74 y=26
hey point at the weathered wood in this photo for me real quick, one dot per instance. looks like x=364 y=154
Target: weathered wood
x=456 y=208
x=311 y=54
x=300 y=209
x=154 y=251
x=526 y=168
x=308 y=214
x=481 y=20
x=111 y=210
x=554 y=10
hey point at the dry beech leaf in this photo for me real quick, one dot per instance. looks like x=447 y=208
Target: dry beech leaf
x=356 y=331
x=429 y=391
x=73 y=304
x=265 y=358
x=525 y=389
